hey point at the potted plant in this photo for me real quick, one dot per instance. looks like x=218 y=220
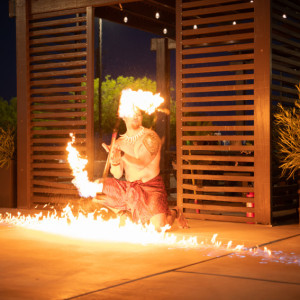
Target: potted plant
x=7 y=167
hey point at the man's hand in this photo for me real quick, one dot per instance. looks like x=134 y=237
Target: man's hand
x=115 y=153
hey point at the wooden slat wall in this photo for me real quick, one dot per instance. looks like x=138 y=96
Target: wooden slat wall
x=59 y=100
x=215 y=109
x=285 y=75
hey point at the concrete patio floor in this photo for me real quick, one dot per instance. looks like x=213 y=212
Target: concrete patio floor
x=37 y=265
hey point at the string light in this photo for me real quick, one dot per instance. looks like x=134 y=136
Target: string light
x=157 y=15
x=165 y=31
x=125 y=19
x=234 y=23
x=284 y=16
x=195 y=26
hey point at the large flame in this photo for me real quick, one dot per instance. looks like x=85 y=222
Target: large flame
x=86 y=188
x=131 y=100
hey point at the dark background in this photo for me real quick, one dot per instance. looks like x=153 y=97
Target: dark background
x=125 y=51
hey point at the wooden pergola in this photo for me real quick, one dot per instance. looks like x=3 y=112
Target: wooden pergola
x=235 y=60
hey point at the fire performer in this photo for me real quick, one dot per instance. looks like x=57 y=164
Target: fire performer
x=136 y=154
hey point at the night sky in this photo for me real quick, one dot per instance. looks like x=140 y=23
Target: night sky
x=126 y=51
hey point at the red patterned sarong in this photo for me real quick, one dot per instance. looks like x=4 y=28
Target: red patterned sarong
x=143 y=199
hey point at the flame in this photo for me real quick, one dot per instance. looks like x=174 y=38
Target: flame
x=85 y=187
x=131 y=100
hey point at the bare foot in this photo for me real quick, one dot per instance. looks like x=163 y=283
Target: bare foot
x=182 y=222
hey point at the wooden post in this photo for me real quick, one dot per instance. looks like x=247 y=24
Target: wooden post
x=23 y=111
x=262 y=111
x=179 y=101
x=90 y=90
x=163 y=87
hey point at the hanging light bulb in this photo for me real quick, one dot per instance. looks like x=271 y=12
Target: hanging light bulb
x=284 y=16
x=157 y=15
x=125 y=19
x=195 y=26
x=234 y=23
x=165 y=31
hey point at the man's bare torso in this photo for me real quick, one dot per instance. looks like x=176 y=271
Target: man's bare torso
x=136 y=154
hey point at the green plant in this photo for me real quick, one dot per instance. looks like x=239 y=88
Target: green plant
x=287 y=127
x=7 y=146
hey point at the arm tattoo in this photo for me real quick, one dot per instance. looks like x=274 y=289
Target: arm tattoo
x=151 y=142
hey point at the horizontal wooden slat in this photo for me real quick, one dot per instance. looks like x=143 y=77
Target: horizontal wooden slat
x=57 y=131
x=53 y=14
x=222 y=78
x=217 y=59
x=50 y=157
x=218 y=217
x=60 y=21
x=218 y=128
x=198 y=167
x=47 y=91
x=217 y=177
x=217 y=98
x=227 y=48
x=238 y=87
x=201 y=3
x=56 y=200
x=58 y=39
x=281 y=78
x=284 y=69
x=216 y=158
x=59 y=123
x=50 y=166
x=57 y=56
x=218 y=19
x=58 y=65
x=217 y=138
x=225 y=68
x=218 y=198
x=283 y=59
x=53 y=184
x=217 y=148
x=62 y=106
x=219 y=189
x=217 y=29
x=49 y=98
x=285 y=41
x=218 y=39
x=54 y=191
x=291 y=90
x=57 y=31
x=218 y=118
x=53 y=148
x=220 y=208
x=217 y=9
x=61 y=81
x=59 y=73
x=216 y=108
x=73 y=46
x=48 y=173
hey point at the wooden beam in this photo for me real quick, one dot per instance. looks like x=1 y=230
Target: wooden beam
x=262 y=111
x=179 y=105
x=23 y=96
x=90 y=90
x=43 y=6
x=163 y=87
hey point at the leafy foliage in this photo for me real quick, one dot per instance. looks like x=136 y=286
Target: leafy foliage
x=7 y=146
x=287 y=126
x=8 y=113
